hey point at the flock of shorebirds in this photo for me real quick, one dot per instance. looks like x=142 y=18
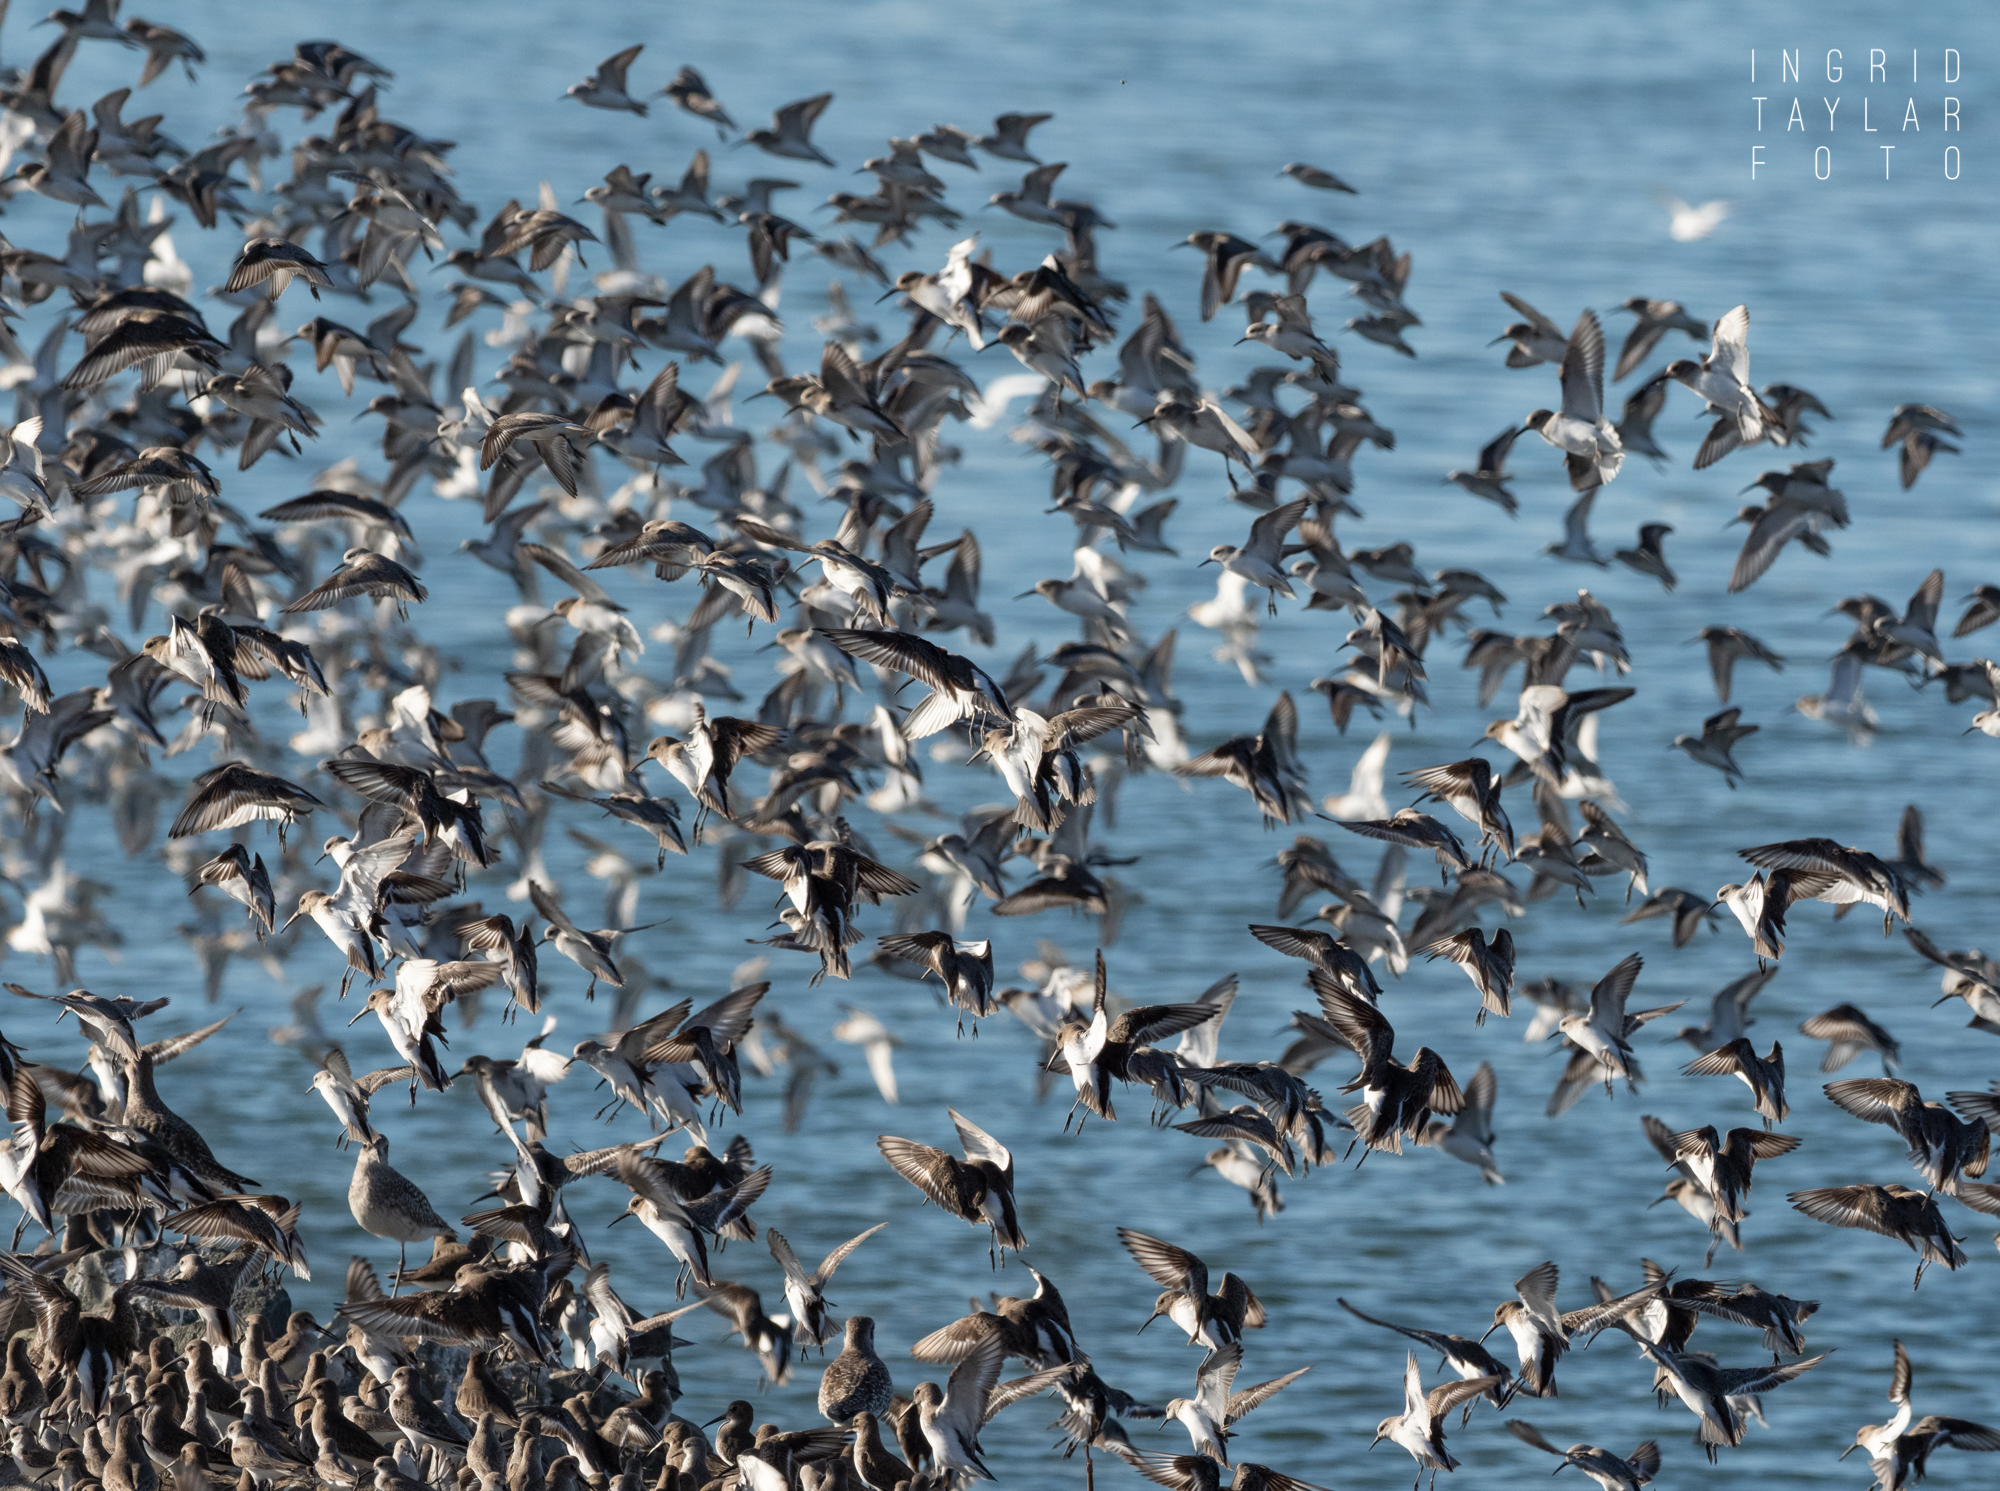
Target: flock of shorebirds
x=135 y=1357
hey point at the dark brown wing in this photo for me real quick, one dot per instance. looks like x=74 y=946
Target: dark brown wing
x=713 y=1213
x=924 y=661
x=1958 y=1434
x=1360 y=1024
x=429 y=1317
x=1864 y=1206
x=1290 y=941
x=1171 y=1267
x=1155 y=1022
x=1740 y=1381
x=949 y=1182
x=1884 y=1100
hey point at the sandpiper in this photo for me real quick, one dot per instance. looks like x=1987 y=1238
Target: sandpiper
x=857 y=1380
x=386 y=1203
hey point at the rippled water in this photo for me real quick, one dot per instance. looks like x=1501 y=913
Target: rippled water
x=1509 y=148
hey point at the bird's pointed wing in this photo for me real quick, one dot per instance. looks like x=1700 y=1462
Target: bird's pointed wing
x=1537 y=1288
x=1445 y=1398
x=781 y=1250
x=1479 y=1095
x=980 y=1145
x=969 y=1388
x=1170 y=1266
x=1458 y=948
x=1493 y=455
x=1583 y=370
x=1527 y=1433
x=1155 y=1022
x=1862 y=1206
x=1007 y=1394
x=1730 y=352
x=838 y=1256
x=1601 y=1316
x=1290 y=941
x=1875 y=1099
x=1267 y=534
x=730 y=1017
x=1038 y=182
x=179 y=1045
x=949 y=1343
x=545 y=903
x=1959 y=1434
x=564 y=569
x=1739 y=1382
x=1639 y=343
x=1413 y=1386
x=371 y=864
x=1360 y=1025
x=1176 y=1472
x=1242 y=1402
x=611 y=71
x=803 y=113
x=713 y=1213
x=1910 y=837
x=1923 y=607
x=1724 y=1061
x=26 y=1117
x=1663 y=1139
x=1779 y=525
x=1216 y=1376
x=931 y=1171
x=924 y=661
x=1532 y=316
x=1232 y=429
x=1608 y=996
x=372 y=1082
